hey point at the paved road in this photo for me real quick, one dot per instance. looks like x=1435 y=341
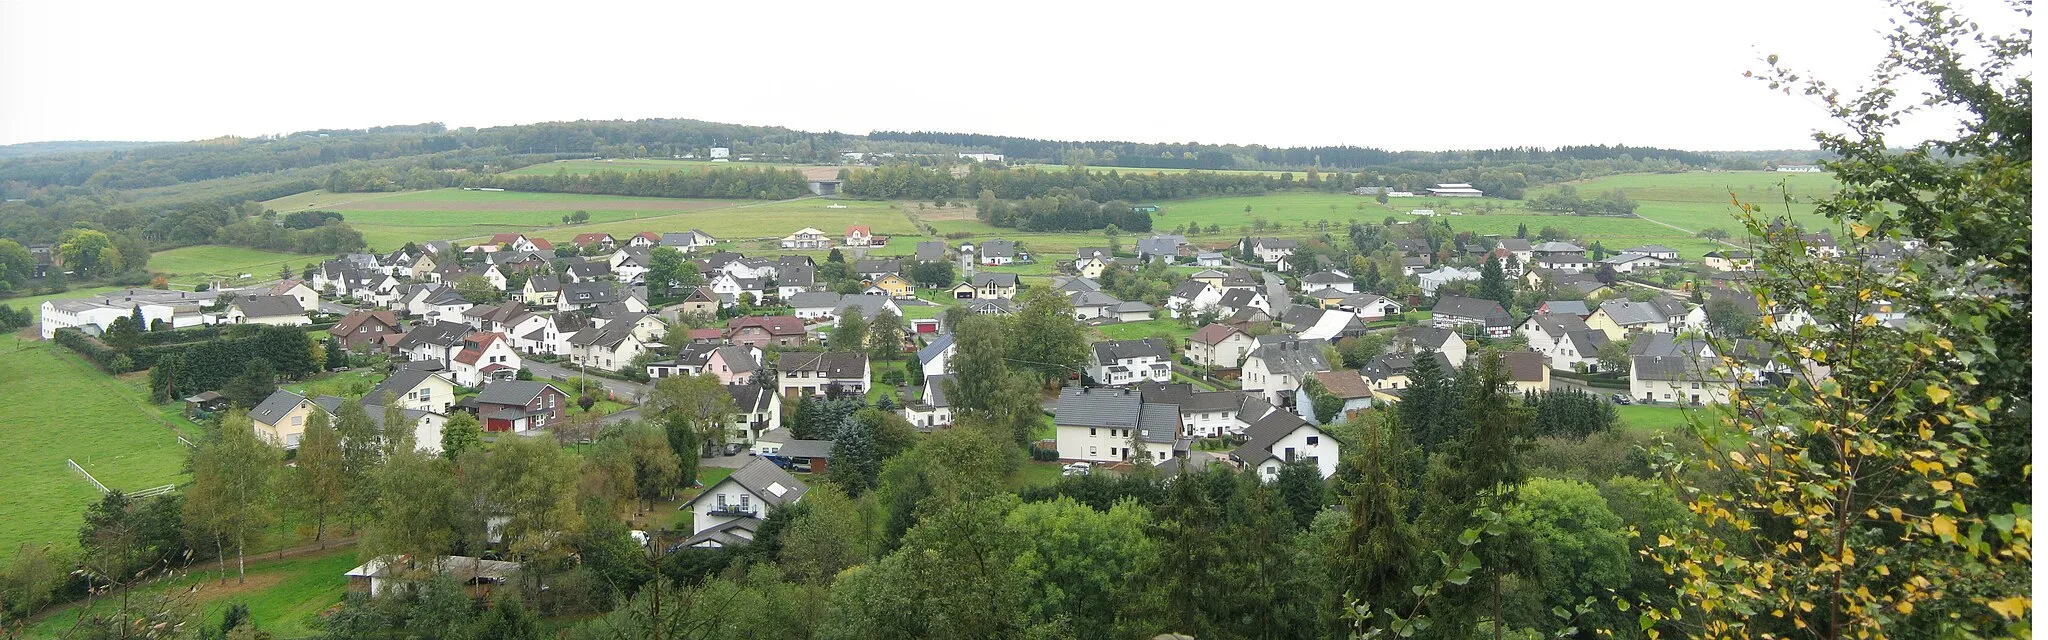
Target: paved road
x=1276 y=294
x=622 y=416
x=628 y=392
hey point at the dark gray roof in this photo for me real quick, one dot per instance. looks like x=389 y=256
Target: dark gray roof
x=1261 y=435
x=806 y=449
x=269 y=306
x=938 y=345
x=1082 y=299
x=694 y=354
x=1678 y=369
x=749 y=398
x=1079 y=284
x=814 y=300
x=1113 y=350
x=983 y=278
x=992 y=307
x=1423 y=336
x=541 y=284
x=1190 y=289
x=443 y=333
x=1293 y=357
x=590 y=269
x=999 y=248
x=1394 y=364
x=1326 y=277
x=1557 y=324
x=273 y=408
x=738 y=358
x=877 y=266
x=1158 y=422
x=761 y=478
x=1627 y=313
x=512 y=392
x=403 y=380
x=1161 y=245
x=833 y=365
x=1572 y=307
x=731 y=533
x=1275 y=243
x=868 y=306
x=608 y=336
x=332 y=404
x=935 y=390
x=931 y=251
x=1237 y=298
x=1515 y=244
x=1098 y=408
x=580 y=293
x=1586 y=341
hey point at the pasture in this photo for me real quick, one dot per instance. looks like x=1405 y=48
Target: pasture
x=1298 y=175
x=195 y=262
x=389 y=220
x=70 y=410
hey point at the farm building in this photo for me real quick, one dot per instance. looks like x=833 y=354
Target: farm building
x=1455 y=190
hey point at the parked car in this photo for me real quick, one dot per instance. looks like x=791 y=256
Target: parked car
x=1620 y=398
x=1077 y=469
x=734 y=448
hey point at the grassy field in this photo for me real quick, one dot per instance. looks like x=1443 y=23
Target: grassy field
x=1653 y=417
x=1149 y=328
x=285 y=596
x=192 y=263
x=72 y=411
x=580 y=167
x=1298 y=175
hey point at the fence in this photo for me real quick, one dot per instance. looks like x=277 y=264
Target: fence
x=81 y=471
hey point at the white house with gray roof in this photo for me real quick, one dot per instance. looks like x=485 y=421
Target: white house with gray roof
x=729 y=512
x=1277 y=367
x=1114 y=425
x=1281 y=438
x=1122 y=362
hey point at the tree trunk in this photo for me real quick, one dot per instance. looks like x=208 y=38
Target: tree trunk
x=220 y=552
x=241 y=567
x=320 y=526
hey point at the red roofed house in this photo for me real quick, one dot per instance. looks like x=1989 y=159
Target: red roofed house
x=485 y=356
x=520 y=405
x=1219 y=345
x=517 y=241
x=764 y=331
x=861 y=237
x=644 y=239
x=584 y=240
x=361 y=329
x=706 y=336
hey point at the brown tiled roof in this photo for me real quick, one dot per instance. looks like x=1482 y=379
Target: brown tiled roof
x=1346 y=384
x=355 y=319
x=1215 y=333
x=774 y=325
x=1524 y=366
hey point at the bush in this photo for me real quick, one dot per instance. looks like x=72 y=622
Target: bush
x=1044 y=455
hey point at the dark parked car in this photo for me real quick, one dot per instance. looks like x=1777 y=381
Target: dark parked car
x=733 y=449
x=1620 y=398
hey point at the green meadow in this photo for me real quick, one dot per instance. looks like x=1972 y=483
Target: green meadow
x=71 y=410
x=586 y=166
x=196 y=262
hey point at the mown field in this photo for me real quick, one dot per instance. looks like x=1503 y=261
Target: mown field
x=69 y=410
x=191 y=264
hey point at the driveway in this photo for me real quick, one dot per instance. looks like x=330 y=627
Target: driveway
x=628 y=392
x=336 y=308
x=726 y=462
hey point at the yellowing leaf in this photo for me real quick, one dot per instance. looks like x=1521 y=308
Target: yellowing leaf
x=2012 y=608
x=1943 y=526
x=1906 y=607
x=1942 y=485
x=1938 y=394
x=1859 y=229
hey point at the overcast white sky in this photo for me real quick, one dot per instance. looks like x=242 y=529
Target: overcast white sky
x=1396 y=75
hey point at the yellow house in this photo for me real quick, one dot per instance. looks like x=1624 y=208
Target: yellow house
x=1330 y=298
x=281 y=418
x=896 y=287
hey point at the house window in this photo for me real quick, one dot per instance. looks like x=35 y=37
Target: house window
x=721 y=502
x=1312 y=440
x=745 y=502
x=298 y=420
x=1091 y=431
x=1091 y=451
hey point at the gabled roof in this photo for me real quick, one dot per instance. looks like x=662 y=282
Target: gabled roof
x=814 y=300
x=1650 y=248
x=1158 y=422
x=1262 y=435
x=1627 y=313
x=1238 y=298
x=766 y=481
x=1079 y=284
x=1568 y=307
x=1103 y=407
x=1190 y=289
x=1558 y=247
x=877 y=266
x=269 y=306
x=274 y=408
x=1398 y=364
x=1586 y=341
x=1215 y=333
x=939 y=344
x=580 y=293
x=1346 y=384
x=931 y=251
x=1525 y=366
x=999 y=248
x=1326 y=278
x=483 y=342
x=832 y=365
x=1424 y=336
x=1463 y=307
x=935 y=390
x=440 y=334
x=1274 y=244
x=544 y=284
x=519 y=392
x=1678 y=369
x=868 y=306
x=1108 y=352
x=1556 y=325
x=749 y=398
x=1081 y=299
x=356 y=319
x=984 y=278
x=1296 y=358
x=1516 y=244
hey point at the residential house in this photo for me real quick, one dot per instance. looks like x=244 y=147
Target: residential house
x=296 y=290
x=1631 y=262
x=1528 y=371
x=1680 y=379
x=1622 y=318
x=587 y=270
x=807 y=238
x=644 y=240
x=520 y=405
x=1429 y=281
x=281 y=418
x=731 y=288
x=1219 y=346
x=365 y=330
x=1192 y=298
x=862 y=237
x=1346 y=385
x=1565 y=307
x=730 y=511
x=1327 y=325
x=609 y=345
x=485 y=356
x=479 y=577
x=1236 y=300
x=604 y=241
x=1370 y=307
x=893 y=286
x=1208 y=259
x=588 y=295
x=1658 y=251
x=1122 y=362
x=931 y=410
x=1520 y=248
x=1329 y=280
x=1114 y=425
x=1452 y=190
x=820 y=374
x=1327 y=298
x=1729 y=260
x=760 y=410
x=425 y=426
x=1274 y=370
x=932 y=359
x=542 y=291
x=699 y=302
x=415 y=389
x=1392 y=372
x=1272 y=251
x=763 y=331
x=998 y=252
x=631 y=264
x=281 y=311
x=869 y=307
x=1207 y=414
x=433 y=342
x=1162 y=247
x=1417 y=339
x=1484 y=317
x=992 y=307
x=987 y=286
x=687 y=241
x=814 y=305
x=931 y=251
x=1282 y=438
x=1564 y=339
x=1130 y=311
x=872 y=270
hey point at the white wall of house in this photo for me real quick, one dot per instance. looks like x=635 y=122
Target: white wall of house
x=1304 y=441
x=1104 y=444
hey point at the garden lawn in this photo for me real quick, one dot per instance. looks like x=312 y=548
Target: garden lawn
x=1035 y=474
x=1176 y=332
x=67 y=409
x=1653 y=418
x=285 y=596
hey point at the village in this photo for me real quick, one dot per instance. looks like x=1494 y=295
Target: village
x=1275 y=342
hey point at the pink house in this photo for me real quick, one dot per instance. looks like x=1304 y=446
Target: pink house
x=733 y=364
